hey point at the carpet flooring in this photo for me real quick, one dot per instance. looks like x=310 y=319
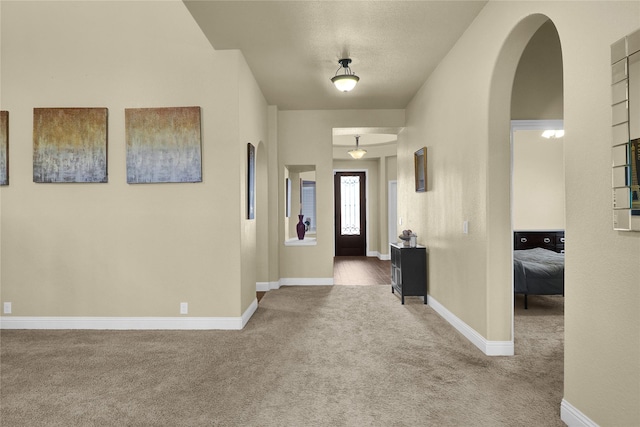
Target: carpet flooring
x=310 y=356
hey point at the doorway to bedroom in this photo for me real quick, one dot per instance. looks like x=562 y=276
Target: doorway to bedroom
x=538 y=192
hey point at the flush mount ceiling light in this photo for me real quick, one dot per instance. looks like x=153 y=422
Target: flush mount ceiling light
x=553 y=133
x=358 y=152
x=347 y=81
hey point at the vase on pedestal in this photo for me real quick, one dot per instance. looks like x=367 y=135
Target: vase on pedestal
x=300 y=227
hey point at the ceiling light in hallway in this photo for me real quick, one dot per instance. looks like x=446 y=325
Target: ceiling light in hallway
x=347 y=81
x=358 y=152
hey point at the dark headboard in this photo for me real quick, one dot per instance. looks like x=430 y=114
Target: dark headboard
x=552 y=240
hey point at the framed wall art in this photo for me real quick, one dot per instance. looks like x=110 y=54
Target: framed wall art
x=4 y=148
x=163 y=145
x=420 y=165
x=287 y=194
x=251 y=181
x=69 y=145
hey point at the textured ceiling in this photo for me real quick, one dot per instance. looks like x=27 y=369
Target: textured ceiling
x=293 y=47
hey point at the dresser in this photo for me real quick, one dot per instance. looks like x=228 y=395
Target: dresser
x=552 y=240
x=409 y=271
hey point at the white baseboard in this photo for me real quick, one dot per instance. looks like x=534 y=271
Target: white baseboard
x=573 y=417
x=294 y=281
x=129 y=323
x=306 y=281
x=381 y=257
x=267 y=286
x=490 y=348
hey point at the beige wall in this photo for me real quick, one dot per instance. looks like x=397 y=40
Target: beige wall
x=537 y=87
x=305 y=138
x=538 y=181
x=117 y=249
x=253 y=128
x=468 y=175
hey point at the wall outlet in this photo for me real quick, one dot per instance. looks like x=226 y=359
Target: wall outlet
x=184 y=308
x=400 y=221
x=7 y=308
x=465 y=227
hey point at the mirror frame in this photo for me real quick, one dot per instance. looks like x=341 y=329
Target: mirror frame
x=625 y=137
x=420 y=166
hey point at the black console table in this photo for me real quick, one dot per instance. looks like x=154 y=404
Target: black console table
x=409 y=271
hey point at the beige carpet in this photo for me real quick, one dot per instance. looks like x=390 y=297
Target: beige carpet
x=310 y=356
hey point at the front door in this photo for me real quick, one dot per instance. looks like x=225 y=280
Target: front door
x=350 y=213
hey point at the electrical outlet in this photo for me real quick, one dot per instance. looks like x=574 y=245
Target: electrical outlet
x=7 y=308
x=400 y=221
x=465 y=227
x=184 y=308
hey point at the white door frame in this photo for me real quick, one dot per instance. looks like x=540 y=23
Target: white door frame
x=392 y=205
x=517 y=125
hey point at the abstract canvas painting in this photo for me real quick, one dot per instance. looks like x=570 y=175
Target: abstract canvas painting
x=4 y=148
x=163 y=145
x=69 y=145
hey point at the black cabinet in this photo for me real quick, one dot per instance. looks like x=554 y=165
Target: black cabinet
x=409 y=271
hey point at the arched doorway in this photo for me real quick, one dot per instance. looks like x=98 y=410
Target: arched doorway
x=499 y=221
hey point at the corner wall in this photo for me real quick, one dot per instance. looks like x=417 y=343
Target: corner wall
x=115 y=249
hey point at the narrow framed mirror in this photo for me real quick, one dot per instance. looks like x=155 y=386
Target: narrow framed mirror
x=420 y=165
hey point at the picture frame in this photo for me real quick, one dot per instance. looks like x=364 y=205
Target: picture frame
x=420 y=165
x=287 y=191
x=4 y=148
x=163 y=145
x=70 y=145
x=251 y=181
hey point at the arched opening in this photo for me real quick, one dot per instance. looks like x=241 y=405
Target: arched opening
x=500 y=297
x=538 y=192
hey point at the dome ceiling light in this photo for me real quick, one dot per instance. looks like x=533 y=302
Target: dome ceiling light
x=358 y=152
x=347 y=81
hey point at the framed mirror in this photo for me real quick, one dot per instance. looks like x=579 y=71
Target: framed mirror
x=625 y=135
x=420 y=165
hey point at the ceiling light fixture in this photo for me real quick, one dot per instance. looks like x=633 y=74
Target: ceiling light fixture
x=358 y=152
x=553 y=133
x=347 y=81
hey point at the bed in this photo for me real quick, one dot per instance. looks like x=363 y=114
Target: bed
x=538 y=263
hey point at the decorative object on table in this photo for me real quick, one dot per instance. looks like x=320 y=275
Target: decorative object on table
x=4 y=148
x=163 y=145
x=307 y=224
x=420 y=164
x=409 y=239
x=300 y=227
x=69 y=145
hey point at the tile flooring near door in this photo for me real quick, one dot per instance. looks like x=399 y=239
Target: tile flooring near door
x=361 y=270
x=357 y=270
